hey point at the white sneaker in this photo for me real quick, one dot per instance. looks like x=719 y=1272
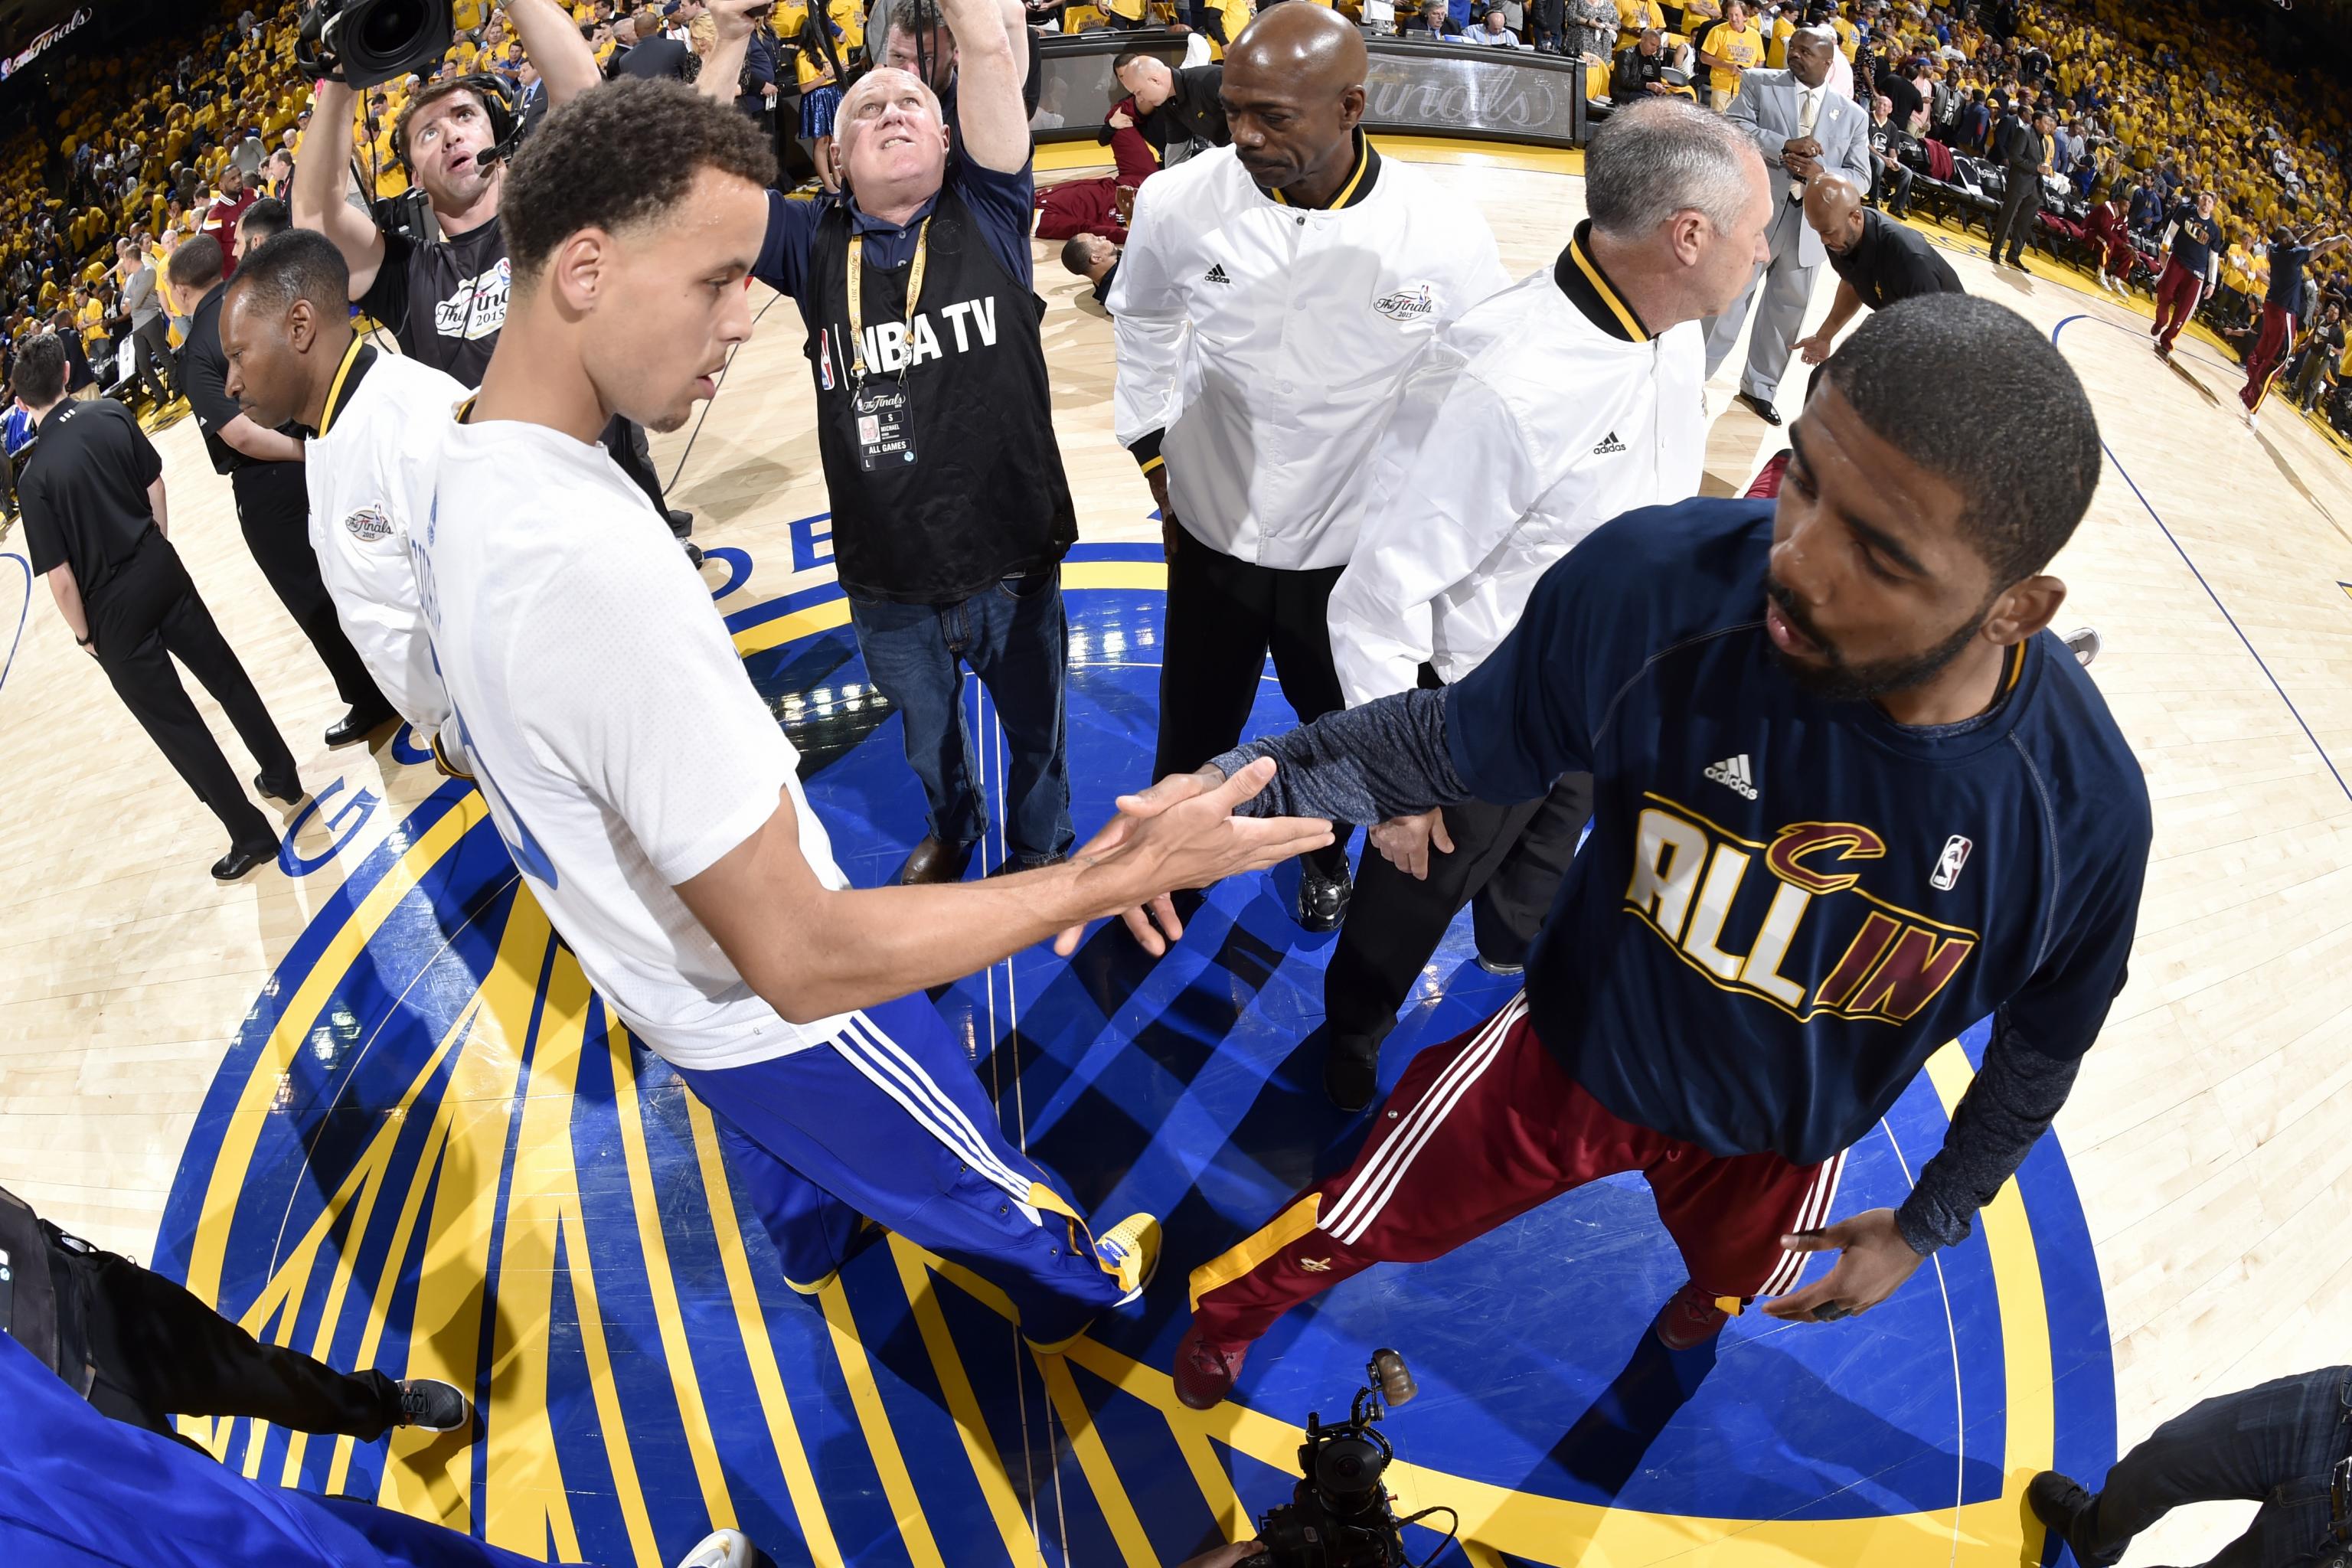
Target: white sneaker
x=722 y=1548
x=2082 y=642
x=2254 y=422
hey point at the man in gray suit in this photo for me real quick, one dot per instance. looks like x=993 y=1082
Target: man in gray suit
x=151 y=351
x=1802 y=128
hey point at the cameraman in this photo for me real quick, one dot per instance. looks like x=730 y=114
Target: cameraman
x=445 y=300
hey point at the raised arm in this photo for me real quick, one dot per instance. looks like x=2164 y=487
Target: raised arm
x=988 y=71
x=732 y=20
x=553 y=40
x=322 y=184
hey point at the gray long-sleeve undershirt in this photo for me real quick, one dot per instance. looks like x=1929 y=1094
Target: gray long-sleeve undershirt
x=1388 y=758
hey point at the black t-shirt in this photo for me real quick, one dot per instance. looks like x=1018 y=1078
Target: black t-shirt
x=204 y=380
x=1903 y=95
x=2287 y=262
x=84 y=492
x=444 y=303
x=1892 y=261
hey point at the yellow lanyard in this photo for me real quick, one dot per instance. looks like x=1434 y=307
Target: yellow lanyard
x=858 y=297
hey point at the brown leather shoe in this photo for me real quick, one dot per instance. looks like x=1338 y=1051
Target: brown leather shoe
x=933 y=861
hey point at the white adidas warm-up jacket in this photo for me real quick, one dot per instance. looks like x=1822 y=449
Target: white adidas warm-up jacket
x=1540 y=415
x=1260 y=345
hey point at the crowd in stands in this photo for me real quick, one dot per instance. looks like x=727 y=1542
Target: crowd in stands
x=139 y=151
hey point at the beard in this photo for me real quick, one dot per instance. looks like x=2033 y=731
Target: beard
x=1841 y=681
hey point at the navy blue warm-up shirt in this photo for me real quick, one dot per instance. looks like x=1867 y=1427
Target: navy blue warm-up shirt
x=1787 y=905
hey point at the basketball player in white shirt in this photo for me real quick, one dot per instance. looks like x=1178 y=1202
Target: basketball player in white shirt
x=292 y=355
x=645 y=789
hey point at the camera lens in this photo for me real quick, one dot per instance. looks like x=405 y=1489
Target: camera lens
x=387 y=25
x=376 y=41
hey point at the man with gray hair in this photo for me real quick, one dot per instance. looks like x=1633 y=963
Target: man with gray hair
x=1485 y=477
x=1802 y=128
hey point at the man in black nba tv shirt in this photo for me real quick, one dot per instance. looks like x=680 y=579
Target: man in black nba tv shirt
x=951 y=510
x=1849 y=798
x=445 y=300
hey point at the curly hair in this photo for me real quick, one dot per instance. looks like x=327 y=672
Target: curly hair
x=585 y=167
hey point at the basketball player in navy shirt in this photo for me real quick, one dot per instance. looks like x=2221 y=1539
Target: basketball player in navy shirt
x=1850 y=797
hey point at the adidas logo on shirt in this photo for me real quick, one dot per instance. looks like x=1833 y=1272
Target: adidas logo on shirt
x=1733 y=773
x=1215 y=274
x=1609 y=444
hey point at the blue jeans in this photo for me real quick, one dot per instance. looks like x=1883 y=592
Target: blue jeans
x=2274 y=1444
x=1016 y=639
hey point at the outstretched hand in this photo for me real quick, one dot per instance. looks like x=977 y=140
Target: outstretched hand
x=1182 y=833
x=1876 y=1261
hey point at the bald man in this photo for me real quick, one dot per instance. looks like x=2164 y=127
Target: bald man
x=1803 y=130
x=1270 y=297
x=935 y=424
x=1877 y=259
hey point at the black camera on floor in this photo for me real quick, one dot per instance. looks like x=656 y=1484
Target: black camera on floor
x=364 y=42
x=1339 y=1515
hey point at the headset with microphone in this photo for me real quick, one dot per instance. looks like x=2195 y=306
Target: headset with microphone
x=497 y=102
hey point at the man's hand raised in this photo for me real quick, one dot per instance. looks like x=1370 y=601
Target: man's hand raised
x=1182 y=833
x=739 y=18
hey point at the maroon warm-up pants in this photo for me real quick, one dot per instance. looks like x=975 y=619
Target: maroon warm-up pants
x=2270 y=354
x=1481 y=1130
x=2175 y=299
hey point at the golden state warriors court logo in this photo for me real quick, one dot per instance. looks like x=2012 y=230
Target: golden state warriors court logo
x=431 y=1149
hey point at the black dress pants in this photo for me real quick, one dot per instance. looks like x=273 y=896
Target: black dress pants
x=148 y=613
x=1507 y=861
x=2275 y=1444
x=1224 y=617
x=158 y=1352
x=2020 y=204
x=273 y=507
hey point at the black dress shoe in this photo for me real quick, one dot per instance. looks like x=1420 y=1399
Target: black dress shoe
x=239 y=864
x=1351 y=1070
x=357 y=725
x=2069 y=1511
x=680 y=523
x=1323 y=894
x=261 y=787
x=1014 y=867
x=1758 y=407
x=933 y=861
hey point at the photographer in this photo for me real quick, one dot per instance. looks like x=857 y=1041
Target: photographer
x=951 y=512
x=445 y=301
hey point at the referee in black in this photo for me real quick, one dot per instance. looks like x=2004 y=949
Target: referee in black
x=1877 y=259
x=273 y=500
x=94 y=525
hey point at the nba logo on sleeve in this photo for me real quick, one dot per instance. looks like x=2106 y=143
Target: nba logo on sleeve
x=1949 y=864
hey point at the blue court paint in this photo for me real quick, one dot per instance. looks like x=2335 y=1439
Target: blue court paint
x=1177 y=1085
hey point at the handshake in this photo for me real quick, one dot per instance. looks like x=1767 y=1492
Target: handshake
x=1186 y=831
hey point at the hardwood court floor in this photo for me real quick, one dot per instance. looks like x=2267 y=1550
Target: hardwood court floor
x=2204 y=1139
